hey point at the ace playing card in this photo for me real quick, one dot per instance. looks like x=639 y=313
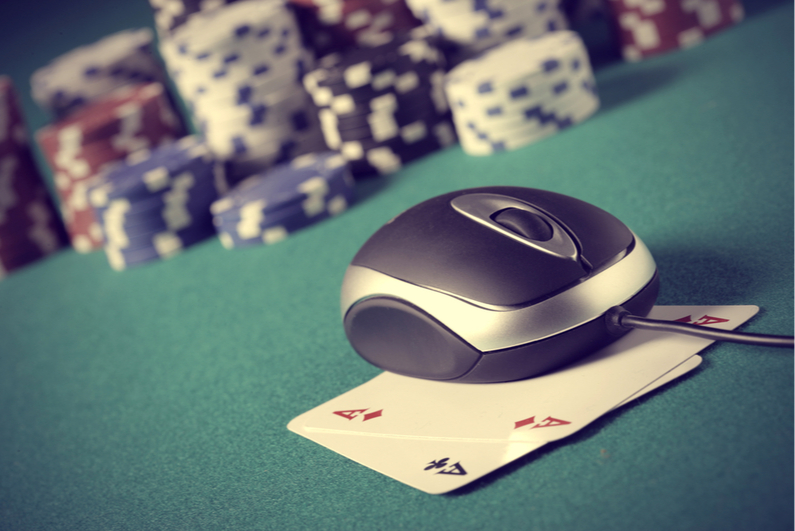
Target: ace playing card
x=438 y=436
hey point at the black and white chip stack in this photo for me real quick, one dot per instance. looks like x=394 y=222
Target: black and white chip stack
x=472 y=26
x=384 y=106
x=30 y=228
x=239 y=68
x=521 y=92
x=89 y=72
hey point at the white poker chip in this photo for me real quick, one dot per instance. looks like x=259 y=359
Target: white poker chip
x=478 y=26
x=239 y=70
x=94 y=70
x=521 y=92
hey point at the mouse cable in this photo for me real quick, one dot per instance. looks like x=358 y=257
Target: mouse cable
x=619 y=319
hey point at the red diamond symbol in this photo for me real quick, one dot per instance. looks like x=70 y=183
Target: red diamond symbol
x=374 y=414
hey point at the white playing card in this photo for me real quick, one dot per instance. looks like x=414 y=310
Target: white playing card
x=539 y=409
x=399 y=417
x=437 y=466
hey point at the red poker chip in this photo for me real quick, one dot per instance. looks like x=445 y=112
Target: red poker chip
x=127 y=120
x=658 y=26
x=79 y=218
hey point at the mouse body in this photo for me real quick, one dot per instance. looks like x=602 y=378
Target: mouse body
x=493 y=284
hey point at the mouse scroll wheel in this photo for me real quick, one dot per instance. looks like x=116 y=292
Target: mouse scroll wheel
x=524 y=223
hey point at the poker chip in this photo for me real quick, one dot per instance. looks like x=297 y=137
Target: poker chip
x=268 y=207
x=656 y=26
x=337 y=25
x=521 y=92
x=30 y=228
x=471 y=27
x=383 y=107
x=170 y=14
x=239 y=70
x=92 y=71
x=96 y=137
x=155 y=204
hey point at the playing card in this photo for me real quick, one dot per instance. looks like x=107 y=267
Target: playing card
x=437 y=466
x=539 y=409
x=392 y=422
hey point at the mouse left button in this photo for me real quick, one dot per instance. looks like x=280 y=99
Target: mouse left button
x=524 y=223
x=398 y=337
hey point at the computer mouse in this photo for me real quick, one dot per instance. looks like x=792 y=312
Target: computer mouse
x=493 y=284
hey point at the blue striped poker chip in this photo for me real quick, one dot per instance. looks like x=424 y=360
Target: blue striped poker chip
x=143 y=241
x=267 y=207
x=156 y=246
x=286 y=184
x=256 y=227
x=147 y=173
x=173 y=210
x=156 y=203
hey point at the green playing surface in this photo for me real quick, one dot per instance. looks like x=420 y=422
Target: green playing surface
x=158 y=398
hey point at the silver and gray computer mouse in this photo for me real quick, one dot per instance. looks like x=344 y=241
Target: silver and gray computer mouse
x=493 y=284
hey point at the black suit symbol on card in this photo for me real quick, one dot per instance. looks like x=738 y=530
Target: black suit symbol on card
x=352 y=414
x=453 y=470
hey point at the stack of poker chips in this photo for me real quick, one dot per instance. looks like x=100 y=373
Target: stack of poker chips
x=653 y=27
x=156 y=203
x=382 y=107
x=29 y=225
x=267 y=208
x=521 y=92
x=473 y=26
x=92 y=71
x=335 y=25
x=170 y=14
x=96 y=136
x=238 y=68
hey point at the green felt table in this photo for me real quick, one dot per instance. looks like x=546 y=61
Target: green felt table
x=158 y=398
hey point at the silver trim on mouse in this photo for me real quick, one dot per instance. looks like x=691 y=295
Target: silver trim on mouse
x=489 y=328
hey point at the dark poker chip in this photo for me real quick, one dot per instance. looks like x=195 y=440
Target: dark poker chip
x=357 y=67
x=378 y=131
x=404 y=113
x=382 y=158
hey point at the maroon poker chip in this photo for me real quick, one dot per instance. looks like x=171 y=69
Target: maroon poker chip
x=13 y=135
x=654 y=27
x=30 y=227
